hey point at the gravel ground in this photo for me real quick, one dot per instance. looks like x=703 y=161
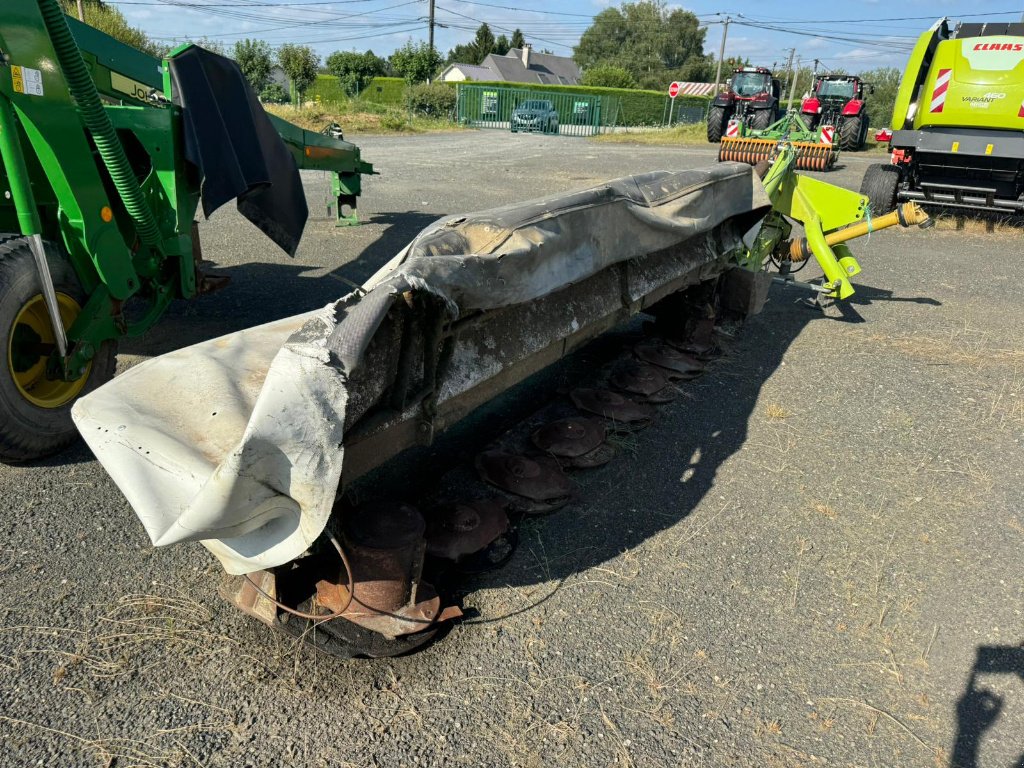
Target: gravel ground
x=812 y=558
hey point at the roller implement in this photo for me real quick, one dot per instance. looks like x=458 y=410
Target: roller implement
x=273 y=426
x=107 y=154
x=814 y=147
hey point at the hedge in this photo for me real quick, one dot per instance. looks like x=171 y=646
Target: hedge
x=636 y=107
x=327 y=89
x=385 y=90
x=381 y=90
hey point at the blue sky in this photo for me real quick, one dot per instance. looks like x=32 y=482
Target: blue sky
x=855 y=35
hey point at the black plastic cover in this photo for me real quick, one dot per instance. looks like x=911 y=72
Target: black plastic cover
x=990 y=29
x=233 y=144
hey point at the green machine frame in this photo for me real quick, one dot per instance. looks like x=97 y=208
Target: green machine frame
x=93 y=160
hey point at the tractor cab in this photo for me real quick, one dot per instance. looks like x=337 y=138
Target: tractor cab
x=751 y=82
x=839 y=101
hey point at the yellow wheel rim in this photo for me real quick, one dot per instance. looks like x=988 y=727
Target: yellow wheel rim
x=29 y=345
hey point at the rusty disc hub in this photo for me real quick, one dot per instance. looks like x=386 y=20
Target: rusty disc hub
x=613 y=406
x=458 y=530
x=647 y=383
x=679 y=365
x=538 y=479
x=569 y=438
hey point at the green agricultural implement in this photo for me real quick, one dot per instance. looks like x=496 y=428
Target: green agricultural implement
x=957 y=137
x=107 y=154
x=814 y=146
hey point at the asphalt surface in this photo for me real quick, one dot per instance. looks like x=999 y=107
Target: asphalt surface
x=811 y=558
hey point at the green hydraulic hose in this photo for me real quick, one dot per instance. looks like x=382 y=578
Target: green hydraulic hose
x=96 y=120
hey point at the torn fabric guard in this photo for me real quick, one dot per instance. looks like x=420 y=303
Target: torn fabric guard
x=248 y=456
x=233 y=144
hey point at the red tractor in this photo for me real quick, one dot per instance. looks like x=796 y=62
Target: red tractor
x=752 y=95
x=839 y=100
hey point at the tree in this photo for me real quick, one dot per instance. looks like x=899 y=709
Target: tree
x=300 y=64
x=355 y=70
x=501 y=45
x=518 y=40
x=255 y=59
x=416 y=63
x=885 y=81
x=646 y=38
x=483 y=43
x=608 y=76
x=111 y=21
x=464 y=53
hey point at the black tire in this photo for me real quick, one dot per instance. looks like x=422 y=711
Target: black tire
x=717 y=119
x=880 y=185
x=29 y=431
x=866 y=123
x=762 y=119
x=812 y=119
x=851 y=130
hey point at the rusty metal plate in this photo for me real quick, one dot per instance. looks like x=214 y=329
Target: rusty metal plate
x=569 y=438
x=539 y=478
x=679 y=364
x=646 y=383
x=613 y=406
x=458 y=530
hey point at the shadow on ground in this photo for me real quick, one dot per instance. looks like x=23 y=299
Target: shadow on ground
x=704 y=427
x=979 y=708
x=261 y=292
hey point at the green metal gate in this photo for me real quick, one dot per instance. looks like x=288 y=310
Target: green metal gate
x=533 y=110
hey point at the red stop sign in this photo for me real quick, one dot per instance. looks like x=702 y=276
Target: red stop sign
x=673 y=90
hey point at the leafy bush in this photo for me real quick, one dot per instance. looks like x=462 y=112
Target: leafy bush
x=608 y=76
x=274 y=93
x=433 y=100
x=394 y=122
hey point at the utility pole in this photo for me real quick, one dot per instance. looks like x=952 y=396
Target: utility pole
x=81 y=10
x=792 y=83
x=721 y=55
x=789 y=68
x=430 y=24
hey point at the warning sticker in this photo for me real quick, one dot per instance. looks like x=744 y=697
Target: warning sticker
x=27 y=81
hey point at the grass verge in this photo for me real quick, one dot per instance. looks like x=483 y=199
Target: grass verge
x=691 y=133
x=360 y=117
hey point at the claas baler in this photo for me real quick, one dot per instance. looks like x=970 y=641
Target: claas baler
x=107 y=155
x=957 y=137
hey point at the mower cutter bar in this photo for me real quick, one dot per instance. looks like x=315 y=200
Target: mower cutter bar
x=810 y=156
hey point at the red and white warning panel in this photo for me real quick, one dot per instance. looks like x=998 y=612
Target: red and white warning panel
x=828 y=134
x=732 y=130
x=1020 y=112
x=941 y=87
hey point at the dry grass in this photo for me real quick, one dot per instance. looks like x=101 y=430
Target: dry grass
x=357 y=117
x=691 y=133
x=775 y=412
x=980 y=223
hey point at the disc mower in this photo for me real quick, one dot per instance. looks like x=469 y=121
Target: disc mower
x=273 y=426
x=107 y=153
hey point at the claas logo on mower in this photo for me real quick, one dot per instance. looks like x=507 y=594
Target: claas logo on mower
x=999 y=47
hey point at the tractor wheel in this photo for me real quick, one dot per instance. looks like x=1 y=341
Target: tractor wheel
x=850 y=131
x=880 y=185
x=35 y=410
x=716 y=124
x=812 y=119
x=762 y=119
x=865 y=124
